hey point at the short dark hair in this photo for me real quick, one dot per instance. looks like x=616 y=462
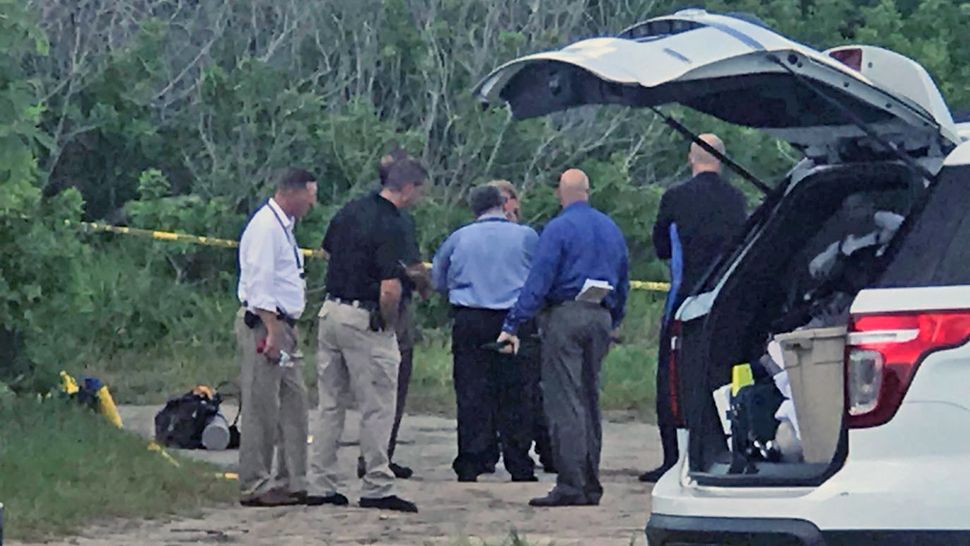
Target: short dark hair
x=294 y=179
x=388 y=160
x=485 y=198
x=403 y=172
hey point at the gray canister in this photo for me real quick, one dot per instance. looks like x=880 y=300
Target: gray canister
x=215 y=436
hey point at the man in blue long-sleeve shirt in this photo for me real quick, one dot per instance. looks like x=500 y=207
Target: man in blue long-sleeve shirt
x=482 y=268
x=581 y=244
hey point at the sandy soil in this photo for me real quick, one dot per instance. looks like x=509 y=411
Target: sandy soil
x=486 y=510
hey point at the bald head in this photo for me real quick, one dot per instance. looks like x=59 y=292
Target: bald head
x=703 y=161
x=573 y=187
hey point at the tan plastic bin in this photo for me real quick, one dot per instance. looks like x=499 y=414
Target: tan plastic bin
x=815 y=361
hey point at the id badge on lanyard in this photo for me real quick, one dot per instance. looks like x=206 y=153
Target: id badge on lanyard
x=291 y=240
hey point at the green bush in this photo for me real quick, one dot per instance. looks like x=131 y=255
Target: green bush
x=181 y=121
x=62 y=465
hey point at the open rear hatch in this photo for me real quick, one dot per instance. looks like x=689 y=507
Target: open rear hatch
x=735 y=70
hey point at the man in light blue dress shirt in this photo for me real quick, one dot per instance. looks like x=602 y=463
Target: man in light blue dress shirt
x=482 y=268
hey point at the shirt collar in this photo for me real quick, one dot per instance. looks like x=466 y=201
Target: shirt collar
x=493 y=216
x=285 y=218
x=577 y=206
x=383 y=201
x=708 y=174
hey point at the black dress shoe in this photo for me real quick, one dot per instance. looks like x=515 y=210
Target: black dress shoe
x=467 y=478
x=401 y=472
x=393 y=502
x=524 y=479
x=654 y=475
x=553 y=499
x=336 y=499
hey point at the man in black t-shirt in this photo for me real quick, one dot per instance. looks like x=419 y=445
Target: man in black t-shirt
x=357 y=343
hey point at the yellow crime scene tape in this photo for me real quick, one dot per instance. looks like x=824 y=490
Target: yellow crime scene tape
x=651 y=286
x=154 y=446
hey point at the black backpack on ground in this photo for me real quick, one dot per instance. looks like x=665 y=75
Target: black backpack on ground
x=181 y=422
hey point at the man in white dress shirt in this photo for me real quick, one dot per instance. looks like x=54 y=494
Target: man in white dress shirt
x=272 y=292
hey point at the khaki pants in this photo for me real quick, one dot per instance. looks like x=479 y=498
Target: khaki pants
x=352 y=357
x=274 y=415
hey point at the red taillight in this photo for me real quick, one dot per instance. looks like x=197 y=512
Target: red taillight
x=851 y=57
x=673 y=376
x=883 y=353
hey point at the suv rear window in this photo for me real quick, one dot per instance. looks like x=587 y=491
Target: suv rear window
x=934 y=246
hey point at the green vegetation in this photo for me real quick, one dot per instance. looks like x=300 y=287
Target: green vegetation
x=177 y=119
x=628 y=373
x=64 y=467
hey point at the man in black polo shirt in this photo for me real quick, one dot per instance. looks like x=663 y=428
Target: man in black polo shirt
x=357 y=345
x=414 y=278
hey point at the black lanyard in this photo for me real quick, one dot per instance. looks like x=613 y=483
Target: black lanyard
x=286 y=232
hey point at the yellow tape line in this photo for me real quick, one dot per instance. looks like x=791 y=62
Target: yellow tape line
x=171 y=236
x=153 y=446
x=650 y=286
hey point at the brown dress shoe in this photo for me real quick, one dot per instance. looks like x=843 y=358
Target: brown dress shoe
x=273 y=498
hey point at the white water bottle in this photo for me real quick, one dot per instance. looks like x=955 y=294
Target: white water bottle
x=286 y=361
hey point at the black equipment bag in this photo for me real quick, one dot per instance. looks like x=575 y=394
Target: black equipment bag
x=181 y=422
x=753 y=424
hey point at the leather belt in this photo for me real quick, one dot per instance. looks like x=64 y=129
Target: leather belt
x=369 y=306
x=252 y=319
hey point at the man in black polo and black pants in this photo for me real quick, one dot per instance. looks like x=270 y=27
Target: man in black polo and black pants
x=357 y=346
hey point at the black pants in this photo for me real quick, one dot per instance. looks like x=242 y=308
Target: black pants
x=665 y=415
x=531 y=355
x=493 y=395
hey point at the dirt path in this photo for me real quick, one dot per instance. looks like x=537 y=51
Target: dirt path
x=488 y=510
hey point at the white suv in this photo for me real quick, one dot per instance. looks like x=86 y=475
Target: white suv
x=871 y=124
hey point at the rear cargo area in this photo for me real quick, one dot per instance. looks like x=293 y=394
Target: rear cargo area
x=779 y=322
